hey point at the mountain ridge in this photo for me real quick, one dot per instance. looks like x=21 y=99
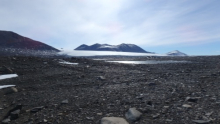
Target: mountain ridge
x=106 y=47
x=9 y=39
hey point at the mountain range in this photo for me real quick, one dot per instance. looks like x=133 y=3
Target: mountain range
x=14 y=44
x=119 y=48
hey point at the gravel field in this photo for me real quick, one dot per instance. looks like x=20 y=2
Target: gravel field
x=51 y=92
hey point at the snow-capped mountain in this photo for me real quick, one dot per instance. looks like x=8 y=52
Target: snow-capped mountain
x=176 y=53
x=106 y=47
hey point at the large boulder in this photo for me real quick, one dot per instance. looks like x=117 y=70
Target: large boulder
x=133 y=114
x=113 y=120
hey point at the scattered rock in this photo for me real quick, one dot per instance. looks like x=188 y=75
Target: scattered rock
x=151 y=84
x=201 y=121
x=187 y=106
x=99 y=114
x=113 y=120
x=192 y=99
x=209 y=114
x=6 y=121
x=156 y=116
x=14 y=114
x=101 y=78
x=166 y=107
x=45 y=121
x=36 y=109
x=9 y=90
x=169 y=120
x=133 y=114
x=140 y=97
x=90 y=118
x=65 y=101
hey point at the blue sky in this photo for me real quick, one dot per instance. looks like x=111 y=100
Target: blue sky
x=190 y=26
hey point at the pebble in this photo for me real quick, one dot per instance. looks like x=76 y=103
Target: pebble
x=65 y=101
x=90 y=118
x=99 y=114
x=156 y=116
x=187 y=106
x=101 y=77
x=45 y=120
x=192 y=99
x=36 y=109
x=9 y=90
x=209 y=113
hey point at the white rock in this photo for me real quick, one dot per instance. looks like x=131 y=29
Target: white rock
x=113 y=120
x=187 y=106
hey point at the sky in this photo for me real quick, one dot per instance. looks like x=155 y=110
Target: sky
x=160 y=26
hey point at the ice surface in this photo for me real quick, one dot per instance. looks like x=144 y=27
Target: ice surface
x=5 y=86
x=68 y=63
x=104 y=53
x=148 y=62
x=6 y=76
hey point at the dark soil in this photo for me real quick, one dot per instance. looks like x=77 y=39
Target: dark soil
x=85 y=93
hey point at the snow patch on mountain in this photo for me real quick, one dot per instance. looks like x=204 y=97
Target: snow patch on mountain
x=119 y=48
x=176 y=53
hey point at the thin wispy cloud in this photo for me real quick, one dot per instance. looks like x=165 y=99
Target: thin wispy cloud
x=70 y=23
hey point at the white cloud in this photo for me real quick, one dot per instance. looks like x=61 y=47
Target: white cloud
x=70 y=23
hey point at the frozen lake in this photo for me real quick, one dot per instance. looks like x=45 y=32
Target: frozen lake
x=148 y=62
x=104 y=53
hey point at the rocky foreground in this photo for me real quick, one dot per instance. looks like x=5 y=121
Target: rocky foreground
x=95 y=92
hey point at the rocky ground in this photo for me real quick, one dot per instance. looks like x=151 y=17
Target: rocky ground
x=54 y=93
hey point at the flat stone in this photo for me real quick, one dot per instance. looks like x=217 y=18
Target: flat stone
x=36 y=109
x=45 y=120
x=90 y=118
x=209 y=113
x=201 y=121
x=187 y=106
x=192 y=99
x=156 y=116
x=133 y=114
x=99 y=114
x=65 y=101
x=113 y=120
x=151 y=84
x=6 y=121
x=101 y=77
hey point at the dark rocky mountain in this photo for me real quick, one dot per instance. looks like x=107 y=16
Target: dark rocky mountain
x=13 y=43
x=106 y=47
x=176 y=53
x=10 y=39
